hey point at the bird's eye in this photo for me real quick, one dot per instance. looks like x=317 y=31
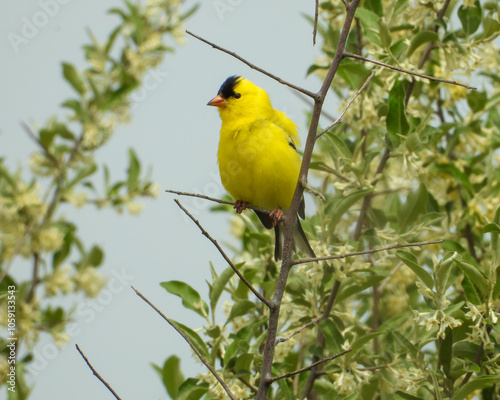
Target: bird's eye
x=237 y=95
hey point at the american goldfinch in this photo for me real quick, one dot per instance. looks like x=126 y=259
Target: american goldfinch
x=258 y=159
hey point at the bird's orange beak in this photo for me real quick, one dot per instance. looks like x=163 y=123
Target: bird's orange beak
x=217 y=101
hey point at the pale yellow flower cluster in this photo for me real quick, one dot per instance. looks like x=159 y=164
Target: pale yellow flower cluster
x=438 y=320
x=28 y=319
x=59 y=281
x=410 y=379
x=90 y=281
x=20 y=207
x=350 y=378
x=481 y=315
x=217 y=392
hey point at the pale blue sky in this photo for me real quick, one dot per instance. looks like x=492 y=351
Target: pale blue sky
x=175 y=133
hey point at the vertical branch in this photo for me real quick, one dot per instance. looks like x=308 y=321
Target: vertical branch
x=289 y=220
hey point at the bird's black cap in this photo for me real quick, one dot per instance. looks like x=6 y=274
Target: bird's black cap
x=227 y=88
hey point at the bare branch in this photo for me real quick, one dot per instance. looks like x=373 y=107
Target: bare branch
x=371 y=251
x=339 y=119
x=315 y=29
x=405 y=71
x=287 y=261
x=309 y=367
x=193 y=347
x=97 y=374
x=253 y=66
x=202 y=196
x=224 y=255
x=313 y=191
x=297 y=331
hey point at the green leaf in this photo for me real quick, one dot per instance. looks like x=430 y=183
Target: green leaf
x=315 y=67
x=476 y=100
x=496 y=289
x=193 y=337
x=134 y=170
x=340 y=207
x=470 y=18
x=71 y=75
x=385 y=34
x=473 y=274
x=219 y=284
x=471 y=291
x=412 y=261
x=472 y=386
x=190 y=297
x=171 y=375
x=333 y=337
x=236 y=348
x=491 y=227
x=82 y=173
x=375 y=6
x=192 y=389
x=446 y=351
x=407 y=345
x=360 y=342
x=241 y=307
x=340 y=146
x=421 y=38
x=243 y=364
x=415 y=204
x=491 y=27
x=349 y=290
x=396 y=121
x=369 y=21
x=443 y=273
x=353 y=73
x=62 y=253
x=495 y=236
x=459 y=176
x=407 y=396
x=95 y=256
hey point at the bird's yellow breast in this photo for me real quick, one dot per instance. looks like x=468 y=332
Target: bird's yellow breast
x=257 y=163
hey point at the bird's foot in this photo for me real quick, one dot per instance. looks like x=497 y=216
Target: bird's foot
x=240 y=206
x=276 y=216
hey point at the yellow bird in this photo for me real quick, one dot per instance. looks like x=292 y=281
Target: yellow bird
x=258 y=159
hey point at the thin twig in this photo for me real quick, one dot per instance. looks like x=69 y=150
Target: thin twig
x=33 y=137
x=97 y=373
x=313 y=191
x=359 y=253
x=406 y=71
x=339 y=119
x=298 y=330
x=193 y=347
x=36 y=263
x=330 y=170
x=309 y=367
x=267 y=302
x=253 y=66
x=315 y=29
x=215 y=200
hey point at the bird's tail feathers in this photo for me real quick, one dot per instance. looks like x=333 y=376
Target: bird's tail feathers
x=299 y=240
